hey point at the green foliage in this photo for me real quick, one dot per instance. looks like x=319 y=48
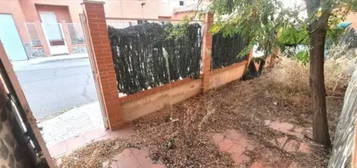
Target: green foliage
x=303 y=57
x=334 y=34
x=179 y=30
x=257 y=20
x=267 y=24
x=291 y=36
x=260 y=20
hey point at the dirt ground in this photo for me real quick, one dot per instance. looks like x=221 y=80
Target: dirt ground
x=253 y=123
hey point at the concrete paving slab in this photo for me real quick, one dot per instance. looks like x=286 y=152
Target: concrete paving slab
x=72 y=123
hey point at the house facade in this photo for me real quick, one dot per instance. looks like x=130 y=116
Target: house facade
x=35 y=28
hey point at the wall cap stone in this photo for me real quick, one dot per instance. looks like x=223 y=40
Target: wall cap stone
x=93 y=2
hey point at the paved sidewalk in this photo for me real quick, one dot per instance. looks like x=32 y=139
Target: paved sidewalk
x=72 y=123
x=36 y=63
x=54 y=87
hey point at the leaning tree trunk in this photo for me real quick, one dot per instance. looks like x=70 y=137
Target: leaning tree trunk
x=317 y=85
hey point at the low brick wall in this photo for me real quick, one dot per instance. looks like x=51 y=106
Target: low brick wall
x=143 y=103
x=158 y=98
x=220 y=77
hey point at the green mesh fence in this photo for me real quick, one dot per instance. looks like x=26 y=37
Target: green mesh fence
x=149 y=55
x=226 y=50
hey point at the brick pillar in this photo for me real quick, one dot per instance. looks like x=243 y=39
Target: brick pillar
x=249 y=59
x=102 y=58
x=206 y=52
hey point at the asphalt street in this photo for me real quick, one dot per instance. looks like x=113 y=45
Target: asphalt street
x=54 y=87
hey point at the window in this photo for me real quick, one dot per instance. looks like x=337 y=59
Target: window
x=76 y=33
x=31 y=30
x=181 y=3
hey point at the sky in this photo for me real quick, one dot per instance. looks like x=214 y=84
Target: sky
x=293 y=3
x=296 y=4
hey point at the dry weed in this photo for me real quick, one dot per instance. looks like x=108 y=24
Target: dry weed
x=281 y=94
x=95 y=154
x=292 y=77
x=336 y=75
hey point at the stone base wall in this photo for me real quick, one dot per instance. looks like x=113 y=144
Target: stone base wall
x=79 y=49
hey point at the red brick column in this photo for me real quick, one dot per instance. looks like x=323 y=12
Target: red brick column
x=206 y=52
x=250 y=56
x=102 y=58
x=249 y=59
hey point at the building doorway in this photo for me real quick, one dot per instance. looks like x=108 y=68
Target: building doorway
x=54 y=33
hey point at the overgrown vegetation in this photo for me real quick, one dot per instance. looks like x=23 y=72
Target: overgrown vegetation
x=294 y=41
x=258 y=20
x=261 y=20
x=180 y=135
x=184 y=139
x=292 y=76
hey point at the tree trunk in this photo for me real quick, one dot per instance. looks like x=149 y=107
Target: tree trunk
x=317 y=85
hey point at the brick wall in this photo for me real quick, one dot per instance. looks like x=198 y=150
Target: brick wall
x=119 y=110
x=207 y=51
x=103 y=60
